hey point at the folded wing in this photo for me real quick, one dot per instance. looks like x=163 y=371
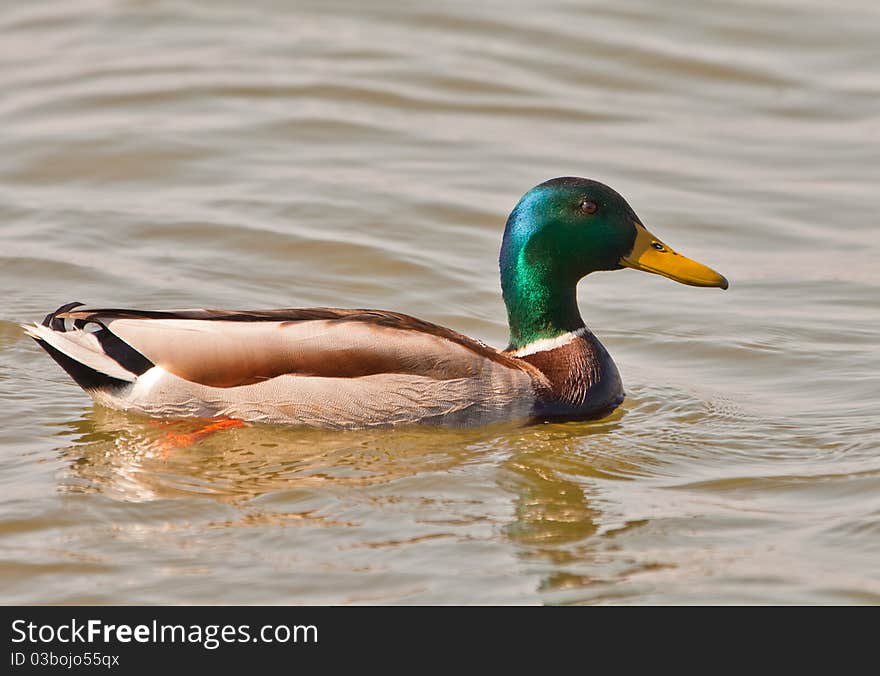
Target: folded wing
x=233 y=348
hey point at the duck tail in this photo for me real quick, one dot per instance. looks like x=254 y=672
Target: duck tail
x=77 y=346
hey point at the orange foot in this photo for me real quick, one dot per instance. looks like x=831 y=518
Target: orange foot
x=174 y=440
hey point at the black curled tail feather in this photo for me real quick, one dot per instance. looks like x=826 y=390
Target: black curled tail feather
x=90 y=375
x=51 y=320
x=112 y=345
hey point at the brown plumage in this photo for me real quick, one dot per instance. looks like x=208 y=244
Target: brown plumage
x=227 y=348
x=318 y=366
x=581 y=378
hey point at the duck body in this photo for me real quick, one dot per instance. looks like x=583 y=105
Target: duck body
x=318 y=367
x=335 y=368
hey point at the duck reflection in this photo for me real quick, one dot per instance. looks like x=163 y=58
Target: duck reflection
x=550 y=472
x=129 y=457
x=553 y=475
x=279 y=475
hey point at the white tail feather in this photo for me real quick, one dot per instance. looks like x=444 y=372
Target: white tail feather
x=81 y=346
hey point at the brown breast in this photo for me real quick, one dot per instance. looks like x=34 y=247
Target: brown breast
x=583 y=380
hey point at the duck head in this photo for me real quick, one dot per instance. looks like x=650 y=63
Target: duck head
x=564 y=229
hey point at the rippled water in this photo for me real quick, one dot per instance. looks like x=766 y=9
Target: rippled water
x=185 y=154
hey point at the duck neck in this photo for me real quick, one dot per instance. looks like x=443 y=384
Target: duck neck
x=541 y=302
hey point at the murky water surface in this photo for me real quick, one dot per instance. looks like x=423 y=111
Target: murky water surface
x=225 y=154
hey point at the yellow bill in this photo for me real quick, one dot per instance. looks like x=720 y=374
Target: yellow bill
x=652 y=255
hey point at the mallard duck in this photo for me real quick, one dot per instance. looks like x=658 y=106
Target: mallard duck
x=335 y=368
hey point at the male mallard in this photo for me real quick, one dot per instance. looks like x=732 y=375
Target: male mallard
x=357 y=368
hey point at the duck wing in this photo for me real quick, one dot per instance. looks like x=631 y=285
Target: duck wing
x=351 y=359
x=227 y=348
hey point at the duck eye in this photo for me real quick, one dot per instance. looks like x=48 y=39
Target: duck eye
x=587 y=206
x=658 y=246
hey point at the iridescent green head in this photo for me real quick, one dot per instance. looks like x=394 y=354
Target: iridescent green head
x=564 y=229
